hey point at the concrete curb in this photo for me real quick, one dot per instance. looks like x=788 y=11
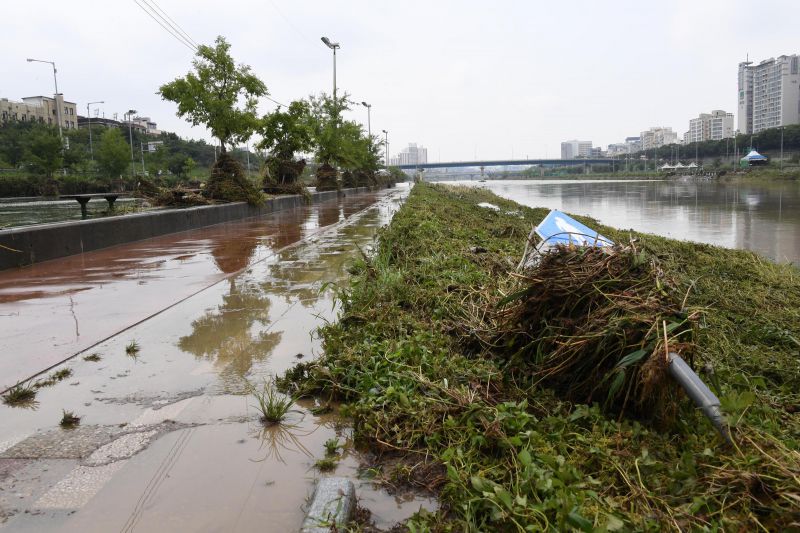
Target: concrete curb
x=28 y=245
x=333 y=503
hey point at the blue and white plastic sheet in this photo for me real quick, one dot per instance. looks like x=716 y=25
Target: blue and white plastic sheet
x=559 y=228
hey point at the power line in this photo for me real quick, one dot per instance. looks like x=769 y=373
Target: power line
x=177 y=27
x=180 y=39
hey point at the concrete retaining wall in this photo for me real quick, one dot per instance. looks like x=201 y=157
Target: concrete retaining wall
x=51 y=241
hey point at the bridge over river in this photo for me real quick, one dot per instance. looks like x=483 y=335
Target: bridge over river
x=511 y=163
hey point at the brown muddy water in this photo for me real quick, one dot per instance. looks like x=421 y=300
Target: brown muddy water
x=169 y=440
x=760 y=216
x=55 y=309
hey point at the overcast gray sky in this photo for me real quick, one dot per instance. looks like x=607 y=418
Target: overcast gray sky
x=463 y=78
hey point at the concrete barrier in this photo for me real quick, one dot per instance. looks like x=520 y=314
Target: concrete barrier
x=33 y=244
x=333 y=503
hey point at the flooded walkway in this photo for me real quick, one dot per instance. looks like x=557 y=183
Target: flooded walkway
x=169 y=439
x=55 y=309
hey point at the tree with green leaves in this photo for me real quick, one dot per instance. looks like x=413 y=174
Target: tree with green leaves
x=330 y=139
x=44 y=154
x=286 y=133
x=112 y=154
x=219 y=94
x=222 y=96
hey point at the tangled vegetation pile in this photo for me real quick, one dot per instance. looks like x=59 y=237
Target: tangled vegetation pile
x=228 y=183
x=168 y=196
x=597 y=325
x=443 y=413
x=327 y=178
x=281 y=176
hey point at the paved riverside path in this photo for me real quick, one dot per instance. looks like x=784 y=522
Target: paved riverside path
x=55 y=309
x=169 y=440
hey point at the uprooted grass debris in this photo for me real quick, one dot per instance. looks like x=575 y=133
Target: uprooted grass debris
x=509 y=451
x=597 y=325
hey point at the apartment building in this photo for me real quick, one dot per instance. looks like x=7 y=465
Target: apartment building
x=41 y=109
x=575 y=149
x=657 y=136
x=630 y=146
x=412 y=155
x=769 y=93
x=713 y=126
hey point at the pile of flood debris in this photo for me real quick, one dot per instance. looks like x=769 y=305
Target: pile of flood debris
x=598 y=324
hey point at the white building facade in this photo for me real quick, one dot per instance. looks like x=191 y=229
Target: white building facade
x=713 y=126
x=769 y=94
x=412 y=155
x=575 y=149
x=658 y=136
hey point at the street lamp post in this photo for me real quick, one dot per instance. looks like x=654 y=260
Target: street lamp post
x=782 y=127
x=89 y=117
x=386 y=133
x=334 y=47
x=130 y=114
x=369 y=120
x=58 y=107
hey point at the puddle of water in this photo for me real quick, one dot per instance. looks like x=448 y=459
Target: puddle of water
x=52 y=310
x=196 y=358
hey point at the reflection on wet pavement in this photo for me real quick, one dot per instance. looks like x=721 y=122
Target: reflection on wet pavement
x=52 y=310
x=179 y=446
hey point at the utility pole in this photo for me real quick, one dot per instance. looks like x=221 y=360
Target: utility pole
x=333 y=46
x=130 y=114
x=386 y=134
x=89 y=117
x=369 y=120
x=782 y=127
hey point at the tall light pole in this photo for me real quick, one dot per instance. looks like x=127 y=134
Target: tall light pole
x=369 y=120
x=55 y=97
x=386 y=163
x=89 y=117
x=334 y=47
x=130 y=114
x=782 y=127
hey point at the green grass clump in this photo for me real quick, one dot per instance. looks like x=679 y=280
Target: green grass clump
x=272 y=404
x=506 y=452
x=52 y=379
x=69 y=419
x=95 y=357
x=327 y=464
x=332 y=446
x=132 y=349
x=19 y=394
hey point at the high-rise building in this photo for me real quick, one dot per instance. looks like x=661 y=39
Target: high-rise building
x=658 y=136
x=575 y=149
x=769 y=93
x=713 y=126
x=630 y=146
x=412 y=155
x=41 y=109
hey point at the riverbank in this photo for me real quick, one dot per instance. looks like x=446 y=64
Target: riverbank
x=444 y=415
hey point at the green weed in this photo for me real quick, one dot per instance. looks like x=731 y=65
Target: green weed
x=19 y=394
x=327 y=464
x=132 y=349
x=95 y=357
x=272 y=404
x=332 y=446
x=69 y=420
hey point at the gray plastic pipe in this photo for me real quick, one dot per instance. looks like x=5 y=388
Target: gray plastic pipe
x=700 y=394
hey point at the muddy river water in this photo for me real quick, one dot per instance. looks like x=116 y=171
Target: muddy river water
x=763 y=216
x=169 y=439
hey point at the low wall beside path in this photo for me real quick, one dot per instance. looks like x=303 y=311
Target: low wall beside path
x=33 y=244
